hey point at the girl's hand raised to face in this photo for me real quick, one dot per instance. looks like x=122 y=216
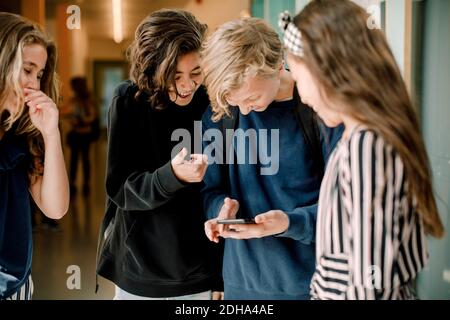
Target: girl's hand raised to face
x=43 y=112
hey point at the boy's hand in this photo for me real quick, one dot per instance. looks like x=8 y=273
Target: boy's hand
x=267 y=224
x=229 y=210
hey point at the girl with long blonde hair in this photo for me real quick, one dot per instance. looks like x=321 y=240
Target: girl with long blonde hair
x=30 y=145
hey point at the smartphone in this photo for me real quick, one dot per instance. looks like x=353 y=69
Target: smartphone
x=236 y=221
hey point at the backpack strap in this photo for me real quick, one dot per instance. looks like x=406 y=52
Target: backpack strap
x=228 y=122
x=309 y=126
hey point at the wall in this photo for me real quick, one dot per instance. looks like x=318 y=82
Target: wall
x=88 y=48
x=434 y=283
x=215 y=12
x=79 y=51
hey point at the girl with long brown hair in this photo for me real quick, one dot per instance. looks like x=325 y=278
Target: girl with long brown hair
x=30 y=144
x=376 y=202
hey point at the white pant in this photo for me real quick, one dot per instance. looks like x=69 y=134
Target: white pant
x=124 y=295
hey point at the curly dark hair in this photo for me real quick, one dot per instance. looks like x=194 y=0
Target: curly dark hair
x=160 y=39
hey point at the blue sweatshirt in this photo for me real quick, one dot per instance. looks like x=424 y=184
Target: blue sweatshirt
x=16 y=243
x=281 y=266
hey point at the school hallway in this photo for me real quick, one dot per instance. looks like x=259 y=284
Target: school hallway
x=64 y=253
x=92 y=38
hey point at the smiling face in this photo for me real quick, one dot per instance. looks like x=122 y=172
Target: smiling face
x=188 y=79
x=34 y=59
x=310 y=94
x=255 y=95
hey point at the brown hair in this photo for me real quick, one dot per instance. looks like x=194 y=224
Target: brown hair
x=17 y=32
x=247 y=47
x=355 y=66
x=160 y=39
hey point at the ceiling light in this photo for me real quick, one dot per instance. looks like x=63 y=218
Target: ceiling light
x=117 y=20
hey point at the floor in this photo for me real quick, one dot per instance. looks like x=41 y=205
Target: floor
x=64 y=259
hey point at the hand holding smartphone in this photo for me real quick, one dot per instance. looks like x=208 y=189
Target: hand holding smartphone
x=236 y=221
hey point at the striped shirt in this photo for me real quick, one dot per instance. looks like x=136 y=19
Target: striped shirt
x=370 y=241
x=25 y=292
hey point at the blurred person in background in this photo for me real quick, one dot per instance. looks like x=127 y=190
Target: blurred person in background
x=82 y=115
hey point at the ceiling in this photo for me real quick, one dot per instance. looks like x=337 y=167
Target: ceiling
x=97 y=14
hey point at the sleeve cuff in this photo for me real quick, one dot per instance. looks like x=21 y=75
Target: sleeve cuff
x=297 y=229
x=217 y=285
x=168 y=180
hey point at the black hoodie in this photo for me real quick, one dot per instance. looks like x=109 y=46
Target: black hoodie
x=153 y=242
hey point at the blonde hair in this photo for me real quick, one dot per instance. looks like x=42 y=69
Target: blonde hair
x=16 y=33
x=355 y=66
x=236 y=50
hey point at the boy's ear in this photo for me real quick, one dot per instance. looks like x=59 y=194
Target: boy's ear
x=281 y=68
